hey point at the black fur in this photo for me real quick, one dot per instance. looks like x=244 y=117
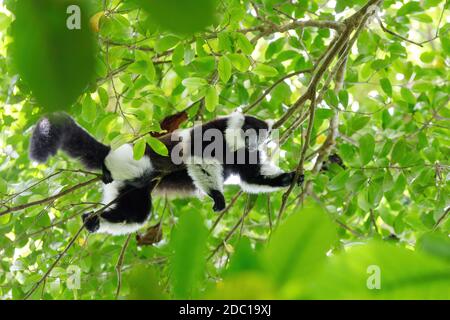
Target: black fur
x=219 y=200
x=132 y=205
x=59 y=131
x=179 y=181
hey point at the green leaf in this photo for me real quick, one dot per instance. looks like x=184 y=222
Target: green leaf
x=225 y=43
x=89 y=109
x=386 y=86
x=243 y=43
x=430 y=3
x=224 y=69
x=56 y=62
x=104 y=97
x=410 y=7
x=264 y=70
x=299 y=245
x=120 y=140
x=399 y=151
x=366 y=148
x=4 y=21
x=407 y=95
x=189 y=258
x=388 y=181
x=356 y=123
x=3 y=186
x=239 y=61
x=427 y=57
x=194 y=83
x=150 y=71
x=375 y=192
x=158 y=100
x=400 y=184
x=356 y=181
x=331 y=98
x=363 y=200
x=343 y=98
x=139 y=149
x=166 y=43
x=338 y=181
x=379 y=64
x=211 y=99
x=157 y=146
x=370 y=272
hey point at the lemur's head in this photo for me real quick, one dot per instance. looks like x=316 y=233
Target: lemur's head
x=247 y=131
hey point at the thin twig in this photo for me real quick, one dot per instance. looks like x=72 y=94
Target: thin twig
x=247 y=210
x=269 y=89
x=60 y=256
x=119 y=265
x=372 y=219
x=441 y=218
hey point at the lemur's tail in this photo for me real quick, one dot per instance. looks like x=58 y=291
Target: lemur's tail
x=60 y=131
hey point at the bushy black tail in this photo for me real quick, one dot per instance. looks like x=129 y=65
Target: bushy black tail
x=60 y=131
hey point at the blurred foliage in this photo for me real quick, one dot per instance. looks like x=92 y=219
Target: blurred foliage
x=57 y=63
x=133 y=63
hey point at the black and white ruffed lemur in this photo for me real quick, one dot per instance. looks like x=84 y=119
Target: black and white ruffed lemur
x=128 y=183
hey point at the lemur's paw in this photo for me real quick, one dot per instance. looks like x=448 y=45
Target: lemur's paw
x=288 y=178
x=106 y=175
x=219 y=200
x=107 y=180
x=219 y=206
x=91 y=222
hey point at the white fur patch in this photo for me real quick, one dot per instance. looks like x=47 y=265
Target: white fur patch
x=44 y=127
x=118 y=229
x=270 y=124
x=268 y=168
x=122 y=166
x=110 y=192
x=255 y=188
x=233 y=132
x=207 y=174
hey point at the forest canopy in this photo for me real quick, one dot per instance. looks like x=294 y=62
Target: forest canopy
x=360 y=94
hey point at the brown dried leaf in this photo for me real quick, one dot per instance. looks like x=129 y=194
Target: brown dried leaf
x=151 y=236
x=171 y=123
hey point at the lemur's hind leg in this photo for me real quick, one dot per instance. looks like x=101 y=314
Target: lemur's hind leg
x=128 y=209
x=207 y=175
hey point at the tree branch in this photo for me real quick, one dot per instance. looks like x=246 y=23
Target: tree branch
x=119 y=265
x=269 y=89
x=49 y=199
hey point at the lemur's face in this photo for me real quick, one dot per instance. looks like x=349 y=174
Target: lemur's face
x=256 y=132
